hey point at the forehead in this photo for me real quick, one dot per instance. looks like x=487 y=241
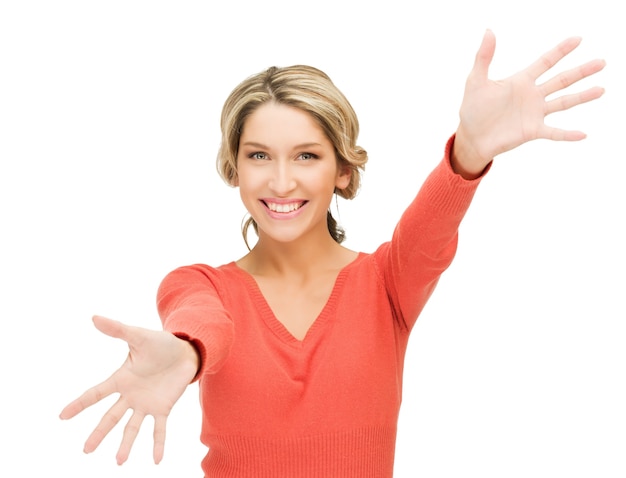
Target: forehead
x=278 y=123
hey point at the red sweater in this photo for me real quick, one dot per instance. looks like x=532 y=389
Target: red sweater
x=326 y=406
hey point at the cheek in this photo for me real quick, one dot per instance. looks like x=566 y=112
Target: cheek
x=250 y=183
x=247 y=196
x=243 y=177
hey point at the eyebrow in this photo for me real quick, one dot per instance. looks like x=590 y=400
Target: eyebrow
x=262 y=146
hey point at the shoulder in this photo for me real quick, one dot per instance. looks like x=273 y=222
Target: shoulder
x=200 y=275
x=205 y=270
x=366 y=268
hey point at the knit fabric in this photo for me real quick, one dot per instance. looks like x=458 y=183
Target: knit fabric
x=325 y=406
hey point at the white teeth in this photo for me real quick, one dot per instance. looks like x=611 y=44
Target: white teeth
x=283 y=207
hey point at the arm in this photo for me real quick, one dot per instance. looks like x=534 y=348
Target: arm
x=425 y=240
x=160 y=364
x=495 y=117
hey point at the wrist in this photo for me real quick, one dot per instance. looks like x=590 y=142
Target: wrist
x=190 y=355
x=465 y=158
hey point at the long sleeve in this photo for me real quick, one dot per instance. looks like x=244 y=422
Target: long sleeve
x=190 y=307
x=425 y=239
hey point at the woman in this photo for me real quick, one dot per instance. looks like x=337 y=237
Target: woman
x=299 y=345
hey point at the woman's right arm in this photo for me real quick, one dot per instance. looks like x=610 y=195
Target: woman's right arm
x=160 y=364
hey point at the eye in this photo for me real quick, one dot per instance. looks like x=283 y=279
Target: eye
x=307 y=156
x=258 y=155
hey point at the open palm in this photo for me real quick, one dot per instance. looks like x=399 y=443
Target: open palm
x=497 y=116
x=155 y=374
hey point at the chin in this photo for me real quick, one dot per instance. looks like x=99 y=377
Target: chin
x=288 y=235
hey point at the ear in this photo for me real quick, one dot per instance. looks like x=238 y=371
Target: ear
x=344 y=174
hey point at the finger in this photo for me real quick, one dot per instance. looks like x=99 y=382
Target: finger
x=159 y=438
x=87 y=399
x=569 y=101
x=131 y=430
x=557 y=134
x=568 y=78
x=108 y=421
x=110 y=327
x=552 y=57
x=484 y=55
x=118 y=330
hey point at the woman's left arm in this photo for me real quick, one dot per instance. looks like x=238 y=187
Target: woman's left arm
x=495 y=117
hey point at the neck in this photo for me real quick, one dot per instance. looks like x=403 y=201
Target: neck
x=299 y=258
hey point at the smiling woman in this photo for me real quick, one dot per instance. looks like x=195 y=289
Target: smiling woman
x=306 y=89
x=299 y=345
x=293 y=176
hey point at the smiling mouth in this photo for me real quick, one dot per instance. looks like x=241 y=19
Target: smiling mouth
x=284 y=208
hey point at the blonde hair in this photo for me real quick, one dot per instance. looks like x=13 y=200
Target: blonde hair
x=307 y=89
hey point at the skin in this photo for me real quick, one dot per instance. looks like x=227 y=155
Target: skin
x=154 y=376
x=495 y=117
x=498 y=116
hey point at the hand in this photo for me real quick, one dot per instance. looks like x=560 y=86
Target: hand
x=154 y=376
x=497 y=116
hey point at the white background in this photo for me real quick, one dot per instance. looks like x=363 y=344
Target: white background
x=109 y=126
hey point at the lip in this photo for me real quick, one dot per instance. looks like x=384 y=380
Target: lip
x=283 y=215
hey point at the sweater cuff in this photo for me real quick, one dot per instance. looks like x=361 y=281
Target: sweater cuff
x=200 y=350
x=213 y=345
x=448 y=161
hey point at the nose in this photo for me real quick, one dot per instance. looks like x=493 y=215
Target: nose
x=283 y=180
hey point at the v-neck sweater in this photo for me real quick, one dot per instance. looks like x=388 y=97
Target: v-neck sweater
x=327 y=405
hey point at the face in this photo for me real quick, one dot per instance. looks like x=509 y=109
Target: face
x=287 y=173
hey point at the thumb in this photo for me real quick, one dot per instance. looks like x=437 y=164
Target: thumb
x=484 y=55
x=111 y=327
